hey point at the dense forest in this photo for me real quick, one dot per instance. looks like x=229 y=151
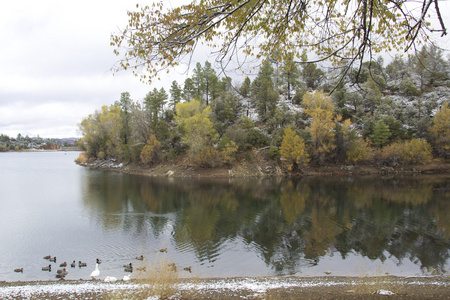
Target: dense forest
x=299 y=114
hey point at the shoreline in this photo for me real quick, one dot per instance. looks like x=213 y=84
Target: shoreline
x=324 y=287
x=264 y=168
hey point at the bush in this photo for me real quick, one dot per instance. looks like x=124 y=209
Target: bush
x=237 y=134
x=408 y=88
x=358 y=151
x=256 y=137
x=170 y=155
x=151 y=150
x=274 y=152
x=101 y=155
x=406 y=152
x=82 y=158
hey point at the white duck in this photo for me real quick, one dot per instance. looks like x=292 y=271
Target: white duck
x=96 y=272
x=110 y=279
x=127 y=277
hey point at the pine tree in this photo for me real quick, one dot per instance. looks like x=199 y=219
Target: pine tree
x=290 y=75
x=175 y=94
x=264 y=93
x=380 y=135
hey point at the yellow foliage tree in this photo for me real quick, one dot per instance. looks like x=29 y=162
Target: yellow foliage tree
x=199 y=132
x=413 y=152
x=320 y=108
x=102 y=133
x=150 y=151
x=293 y=150
x=356 y=148
x=440 y=131
x=159 y=36
x=228 y=151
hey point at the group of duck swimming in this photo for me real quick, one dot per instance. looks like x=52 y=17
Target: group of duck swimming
x=62 y=273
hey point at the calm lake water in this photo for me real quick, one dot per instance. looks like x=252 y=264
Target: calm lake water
x=221 y=228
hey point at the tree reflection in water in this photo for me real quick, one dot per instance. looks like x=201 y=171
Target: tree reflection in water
x=289 y=223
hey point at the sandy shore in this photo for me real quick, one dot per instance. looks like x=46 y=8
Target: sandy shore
x=240 y=288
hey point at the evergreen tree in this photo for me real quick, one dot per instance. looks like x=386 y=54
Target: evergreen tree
x=290 y=75
x=380 y=135
x=125 y=109
x=198 y=82
x=210 y=83
x=154 y=102
x=175 y=94
x=244 y=90
x=311 y=74
x=189 y=91
x=264 y=93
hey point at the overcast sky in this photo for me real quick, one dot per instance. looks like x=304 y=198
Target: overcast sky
x=55 y=60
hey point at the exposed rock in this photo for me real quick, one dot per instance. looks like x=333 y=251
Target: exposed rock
x=387 y=170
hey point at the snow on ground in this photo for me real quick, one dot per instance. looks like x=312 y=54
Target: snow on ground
x=250 y=285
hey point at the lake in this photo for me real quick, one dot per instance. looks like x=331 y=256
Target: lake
x=221 y=228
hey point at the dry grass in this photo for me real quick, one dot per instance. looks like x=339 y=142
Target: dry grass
x=372 y=281
x=157 y=278
x=81 y=158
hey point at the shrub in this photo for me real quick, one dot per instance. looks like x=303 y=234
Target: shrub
x=416 y=151
x=150 y=151
x=101 y=155
x=228 y=151
x=237 y=134
x=82 y=158
x=256 y=137
x=408 y=88
x=274 y=152
x=412 y=152
x=358 y=151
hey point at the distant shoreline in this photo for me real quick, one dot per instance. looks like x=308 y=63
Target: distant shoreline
x=64 y=149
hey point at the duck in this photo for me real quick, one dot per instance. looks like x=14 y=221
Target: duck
x=63 y=272
x=163 y=250
x=128 y=266
x=129 y=269
x=52 y=259
x=96 y=272
x=141 y=257
x=99 y=261
x=49 y=268
x=63 y=265
x=73 y=264
x=315 y=262
x=142 y=269
x=110 y=279
x=18 y=270
x=81 y=264
x=127 y=277
x=189 y=269
x=47 y=257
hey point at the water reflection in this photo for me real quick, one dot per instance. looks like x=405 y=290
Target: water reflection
x=290 y=224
